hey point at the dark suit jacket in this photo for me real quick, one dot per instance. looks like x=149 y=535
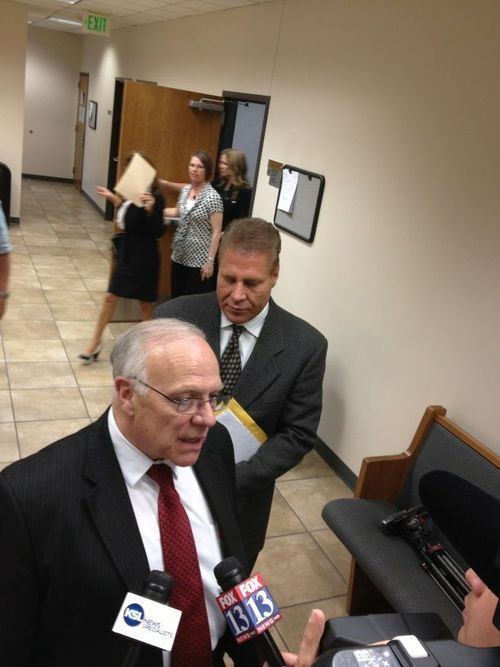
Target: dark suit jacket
x=280 y=386
x=70 y=549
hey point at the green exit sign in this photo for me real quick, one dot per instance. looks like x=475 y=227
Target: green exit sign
x=96 y=24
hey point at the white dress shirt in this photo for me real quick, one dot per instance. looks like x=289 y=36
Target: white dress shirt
x=143 y=493
x=248 y=337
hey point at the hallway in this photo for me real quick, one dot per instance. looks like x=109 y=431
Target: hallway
x=59 y=273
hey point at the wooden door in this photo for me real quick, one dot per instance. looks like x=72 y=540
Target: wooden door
x=81 y=118
x=159 y=121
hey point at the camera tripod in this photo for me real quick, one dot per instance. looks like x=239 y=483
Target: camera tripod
x=434 y=559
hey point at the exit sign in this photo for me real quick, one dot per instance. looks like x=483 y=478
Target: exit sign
x=96 y=24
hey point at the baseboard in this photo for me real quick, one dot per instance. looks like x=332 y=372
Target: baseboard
x=336 y=464
x=13 y=220
x=39 y=177
x=91 y=201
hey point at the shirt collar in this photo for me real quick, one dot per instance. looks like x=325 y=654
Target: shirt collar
x=253 y=326
x=134 y=464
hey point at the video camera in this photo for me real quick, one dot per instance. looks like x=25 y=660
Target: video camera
x=351 y=642
x=412 y=524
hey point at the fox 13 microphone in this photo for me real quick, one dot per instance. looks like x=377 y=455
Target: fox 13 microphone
x=146 y=618
x=248 y=608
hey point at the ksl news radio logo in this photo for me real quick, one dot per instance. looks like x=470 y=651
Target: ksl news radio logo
x=248 y=608
x=133 y=614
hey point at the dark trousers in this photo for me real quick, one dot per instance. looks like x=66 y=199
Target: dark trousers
x=187 y=280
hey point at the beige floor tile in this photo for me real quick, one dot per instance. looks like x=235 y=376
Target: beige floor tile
x=87 y=253
x=36 y=228
x=38 y=404
x=29 y=330
x=22 y=282
x=80 y=330
x=9 y=450
x=283 y=520
x=312 y=465
x=73 y=232
x=4 y=381
x=97 y=399
x=51 y=260
x=6 y=414
x=69 y=312
x=97 y=374
x=20 y=270
x=34 y=350
x=63 y=271
x=28 y=311
x=293 y=620
x=21 y=259
x=48 y=250
x=96 y=284
x=335 y=551
x=41 y=374
x=70 y=297
x=93 y=271
x=58 y=283
x=42 y=240
x=297 y=570
x=31 y=295
x=37 y=434
x=308 y=497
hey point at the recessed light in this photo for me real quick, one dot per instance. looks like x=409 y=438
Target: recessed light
x=67 y=21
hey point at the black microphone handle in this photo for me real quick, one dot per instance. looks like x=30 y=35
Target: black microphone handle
x=132 y=655
x=157 y=586
x=230 y=572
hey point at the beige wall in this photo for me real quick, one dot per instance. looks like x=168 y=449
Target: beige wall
x=52 y=69
x=396 y=103
x=12 y=58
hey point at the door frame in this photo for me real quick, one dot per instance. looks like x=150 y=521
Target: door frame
x=77 y=182
x=231 y=101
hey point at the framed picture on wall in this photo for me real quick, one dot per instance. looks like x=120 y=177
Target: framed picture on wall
x=92 y=114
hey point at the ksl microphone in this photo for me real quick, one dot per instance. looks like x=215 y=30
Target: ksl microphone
x=146 y=618
x=248 y=608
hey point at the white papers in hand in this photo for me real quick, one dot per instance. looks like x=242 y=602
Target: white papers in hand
x=136 y=179
x=247 y=436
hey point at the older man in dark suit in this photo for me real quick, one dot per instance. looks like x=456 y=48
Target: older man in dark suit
x=84 y=520
x=282 y=363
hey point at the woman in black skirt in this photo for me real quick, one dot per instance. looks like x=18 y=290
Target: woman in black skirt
x=137 y=260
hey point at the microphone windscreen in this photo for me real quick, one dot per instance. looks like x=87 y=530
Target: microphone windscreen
x=158 y=586
x=229 y=572
x=470 y=519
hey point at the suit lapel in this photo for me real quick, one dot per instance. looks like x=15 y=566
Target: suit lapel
x=111 y=510
x=262 y=368
x=210 y=470
x=210 y=322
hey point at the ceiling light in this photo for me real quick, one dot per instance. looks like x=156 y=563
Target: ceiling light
x=68 y=21
x=71 y=2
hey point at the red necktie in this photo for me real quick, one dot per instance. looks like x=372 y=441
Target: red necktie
x=192 y=645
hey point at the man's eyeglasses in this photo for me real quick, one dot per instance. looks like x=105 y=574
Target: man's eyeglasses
x=190 y=405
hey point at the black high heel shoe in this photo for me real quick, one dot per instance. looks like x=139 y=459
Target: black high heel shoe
x=89 y=358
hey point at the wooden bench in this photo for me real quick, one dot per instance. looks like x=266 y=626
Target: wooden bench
x=385 y=572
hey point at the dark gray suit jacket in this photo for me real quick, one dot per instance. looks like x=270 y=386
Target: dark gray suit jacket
x=70 y=548
x=280 y=386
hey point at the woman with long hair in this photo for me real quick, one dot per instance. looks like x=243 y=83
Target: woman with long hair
x=233 y=187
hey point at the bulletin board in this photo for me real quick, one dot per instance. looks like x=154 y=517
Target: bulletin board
x=303 y=207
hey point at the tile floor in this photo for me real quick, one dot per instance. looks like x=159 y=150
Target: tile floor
x=60 y=265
